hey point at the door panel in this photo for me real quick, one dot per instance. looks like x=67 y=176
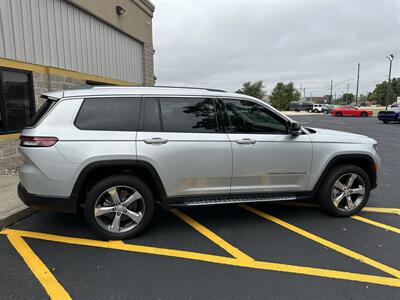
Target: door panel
x=272 y=163
x=189 y=164
x=266 y=158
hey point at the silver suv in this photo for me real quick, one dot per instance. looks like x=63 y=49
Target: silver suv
x=116 y=151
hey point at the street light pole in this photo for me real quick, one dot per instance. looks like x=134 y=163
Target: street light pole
x=390 y=58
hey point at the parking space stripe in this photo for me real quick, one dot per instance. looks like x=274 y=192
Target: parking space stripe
x=53 y=288
x=383 y=210
x=377 y=224
x=268 y=266
x=324 y=242
x=235 y=252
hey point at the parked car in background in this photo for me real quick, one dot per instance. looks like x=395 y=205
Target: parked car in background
x=300 y=106
x=327 y=108
x=317 y=108
x=390 y=115
x=351 y=111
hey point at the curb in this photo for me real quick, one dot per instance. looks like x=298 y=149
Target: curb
x=15 y=215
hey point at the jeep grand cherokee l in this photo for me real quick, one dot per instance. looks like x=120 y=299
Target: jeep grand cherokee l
x=115 y=151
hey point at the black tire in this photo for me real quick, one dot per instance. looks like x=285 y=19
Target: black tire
x=324 y=195
x=119 y=180
x=315 y=110
x=385 y=122
x=364 y=114
x=339 y=114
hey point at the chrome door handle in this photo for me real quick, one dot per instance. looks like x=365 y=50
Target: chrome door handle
x=246 y=141
x=156 y=140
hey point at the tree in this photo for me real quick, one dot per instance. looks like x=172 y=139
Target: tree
x=395 y=84
x=384 y=93
x=254 y=89
x=347 y=98
x=283 y=94
x=328 y=97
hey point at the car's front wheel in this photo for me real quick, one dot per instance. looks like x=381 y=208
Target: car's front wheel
x=364 y=114
x=339 y=114
x=345 y=191
x=119 y=206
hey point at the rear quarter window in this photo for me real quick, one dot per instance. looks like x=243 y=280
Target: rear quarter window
x=41 y=112
x=111 y=114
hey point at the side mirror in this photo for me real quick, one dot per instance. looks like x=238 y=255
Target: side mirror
x=295 y=128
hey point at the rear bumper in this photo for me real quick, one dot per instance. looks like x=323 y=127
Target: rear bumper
x=59 y=204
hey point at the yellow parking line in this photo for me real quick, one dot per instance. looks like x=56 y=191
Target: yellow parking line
x=53 y=288
x=384 y=210
x=261 y=265
x=377 y=224
x=324 y=242
x=235 y=252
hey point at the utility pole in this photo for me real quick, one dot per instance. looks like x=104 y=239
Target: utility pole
x=358 y=80
x=335 y=98
x=300 y=90
x=331 y=99
x=390 y=57
x=347 y=94
x=304 y=90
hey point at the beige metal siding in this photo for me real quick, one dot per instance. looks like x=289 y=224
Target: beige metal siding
x=58 y=34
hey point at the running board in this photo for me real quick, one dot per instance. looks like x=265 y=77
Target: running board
x=234 y=200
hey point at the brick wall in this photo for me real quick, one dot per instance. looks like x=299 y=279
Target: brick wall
x=10 y=159
x=148 y=65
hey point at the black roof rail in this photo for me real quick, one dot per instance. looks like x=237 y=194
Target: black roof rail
x=189 y=87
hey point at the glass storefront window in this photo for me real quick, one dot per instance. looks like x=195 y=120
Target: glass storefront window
x=16 y=103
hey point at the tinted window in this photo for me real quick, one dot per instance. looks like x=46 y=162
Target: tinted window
x=188 y=115
x=249 y=117
x=41 y=112
x=16 y=103
x=117 y=114
x=152 y=120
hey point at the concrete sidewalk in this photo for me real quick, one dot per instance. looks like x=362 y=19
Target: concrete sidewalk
x=11 y=208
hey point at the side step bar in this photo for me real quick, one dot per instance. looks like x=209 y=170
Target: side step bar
x=235 y=200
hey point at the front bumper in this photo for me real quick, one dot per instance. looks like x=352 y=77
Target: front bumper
x=59 y=204
x=387 y=118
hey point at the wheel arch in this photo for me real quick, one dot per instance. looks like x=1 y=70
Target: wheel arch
x=99 y=169
x=364 y=161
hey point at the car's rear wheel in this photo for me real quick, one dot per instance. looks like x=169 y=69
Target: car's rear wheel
x=119 y=207
x=315 y=110
x=385 y=122
x=345 y=191
x=339 y=114
x=364 y=114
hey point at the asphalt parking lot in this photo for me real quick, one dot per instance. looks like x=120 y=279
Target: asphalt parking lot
x=278 y=251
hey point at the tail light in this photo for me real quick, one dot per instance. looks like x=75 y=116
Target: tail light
x=35 y=141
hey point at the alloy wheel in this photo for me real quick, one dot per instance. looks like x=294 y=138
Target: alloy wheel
x=119 y=209
x=348 y=192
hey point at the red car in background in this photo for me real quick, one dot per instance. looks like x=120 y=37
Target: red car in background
x=351 y=111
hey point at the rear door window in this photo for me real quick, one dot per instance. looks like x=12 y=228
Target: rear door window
x=197 y=115
x=111 y=114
